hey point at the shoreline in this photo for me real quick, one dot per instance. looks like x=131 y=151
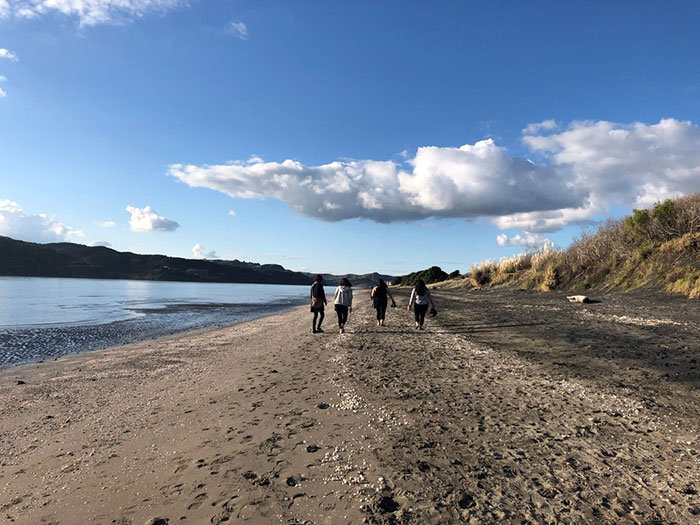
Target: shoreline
x=102 y=336
x=509 y=407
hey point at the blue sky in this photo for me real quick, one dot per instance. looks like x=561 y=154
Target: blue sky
x=403 y=121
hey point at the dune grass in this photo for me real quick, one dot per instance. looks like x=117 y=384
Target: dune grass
x=652 y=247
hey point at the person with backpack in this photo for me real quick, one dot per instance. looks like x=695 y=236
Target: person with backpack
x=420 y=300
x=380 y=295
x=318 y=303
x=343 y=302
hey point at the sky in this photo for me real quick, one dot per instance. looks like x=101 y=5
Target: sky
x=343 y=137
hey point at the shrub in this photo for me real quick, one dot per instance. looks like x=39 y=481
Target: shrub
x=433 y=274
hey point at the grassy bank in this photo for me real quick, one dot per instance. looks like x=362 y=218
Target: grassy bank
x=653 y=247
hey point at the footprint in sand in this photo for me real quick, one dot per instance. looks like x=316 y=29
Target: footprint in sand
x=198 y=500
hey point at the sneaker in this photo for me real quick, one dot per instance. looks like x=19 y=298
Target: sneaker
x=319 y=331
x=314 y=331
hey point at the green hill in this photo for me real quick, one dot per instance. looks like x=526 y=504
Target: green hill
x=19 y=258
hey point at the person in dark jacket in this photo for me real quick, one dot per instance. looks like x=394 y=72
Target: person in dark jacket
x=420 y=301
x=318 y=303
x=380 y=295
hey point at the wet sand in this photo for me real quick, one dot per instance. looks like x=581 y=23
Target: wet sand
x=512 y=407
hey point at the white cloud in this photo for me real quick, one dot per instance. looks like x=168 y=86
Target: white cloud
x=200 y=252
x=16 y=223
x=4 y=9
x=238 y=29
x=529 y=241
x=8 y=55
x=105 y=244
x=545 y=125
x=232 y=213
x=107 y=224
x=147 y=220
x=584 y=170
x=470 y=181
x=548 y=221
x=90 y=12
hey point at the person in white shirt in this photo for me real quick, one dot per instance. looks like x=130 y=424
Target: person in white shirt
x=343 y=302
x=420 y=300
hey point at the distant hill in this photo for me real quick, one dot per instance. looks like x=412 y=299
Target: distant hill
x=434 y=274
x=19 y=258
x=366 y=279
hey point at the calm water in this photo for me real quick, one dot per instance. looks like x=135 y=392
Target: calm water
x=43 y=318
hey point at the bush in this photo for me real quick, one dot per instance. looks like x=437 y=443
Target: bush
x=433 y=274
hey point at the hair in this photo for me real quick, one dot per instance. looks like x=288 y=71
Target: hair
x=344 y=282
x=420 y=287
x=319 y=278
x=381 y=284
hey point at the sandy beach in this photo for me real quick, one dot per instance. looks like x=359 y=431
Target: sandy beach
x=512 y=407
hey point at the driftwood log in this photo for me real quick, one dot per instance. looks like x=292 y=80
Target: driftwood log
x=578 y=299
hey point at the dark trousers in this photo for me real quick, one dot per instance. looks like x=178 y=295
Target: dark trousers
x=419 y=310
x=342 y=312
x=320 y=315
x=381 y=309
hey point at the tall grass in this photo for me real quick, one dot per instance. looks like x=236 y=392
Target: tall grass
x=657 y=245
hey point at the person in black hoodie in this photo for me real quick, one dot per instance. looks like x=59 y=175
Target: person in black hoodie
x=380 y=295
x=318 y=303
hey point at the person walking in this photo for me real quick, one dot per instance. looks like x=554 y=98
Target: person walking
x=343 y=302
x=380 y=295
x=420 y=300
x=318 y=303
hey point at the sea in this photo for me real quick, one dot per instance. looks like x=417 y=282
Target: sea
x=46 y=318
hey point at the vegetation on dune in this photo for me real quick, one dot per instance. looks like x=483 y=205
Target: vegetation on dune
x=657 y=246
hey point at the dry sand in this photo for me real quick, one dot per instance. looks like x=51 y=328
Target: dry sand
x=510 y=408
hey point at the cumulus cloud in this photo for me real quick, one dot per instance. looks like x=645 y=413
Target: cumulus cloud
x=232 y=213
x=16 y=223
x=107 y=224
x=238 y=29
x=582 y=171
x=8 y=55
x=104 y=244
x=200 y=252
x=469 y=181
x=529 y=241
x=627 y=164
x=89 y=12
x=147 y=220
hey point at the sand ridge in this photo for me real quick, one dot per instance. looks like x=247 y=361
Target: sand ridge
x=537 y=413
